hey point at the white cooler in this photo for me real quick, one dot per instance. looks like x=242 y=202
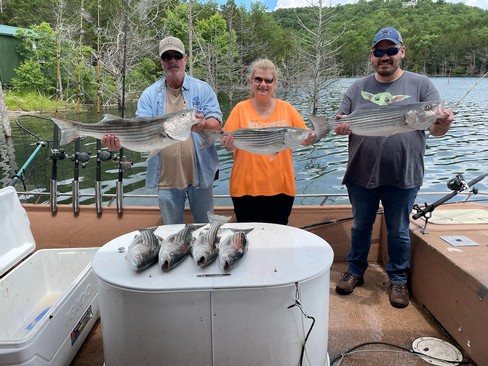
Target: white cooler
x=49 y=301
x=194 y=316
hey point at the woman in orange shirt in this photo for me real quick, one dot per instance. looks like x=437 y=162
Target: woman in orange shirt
x=262 y=187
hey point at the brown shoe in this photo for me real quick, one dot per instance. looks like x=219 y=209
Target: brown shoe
x=348 y=281
x=398 y=293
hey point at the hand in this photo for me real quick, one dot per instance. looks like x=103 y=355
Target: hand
x=228 y=142
x=311 y=136
x=442 y=125
x=112 y=142
x=200 y=125
x=342 y=128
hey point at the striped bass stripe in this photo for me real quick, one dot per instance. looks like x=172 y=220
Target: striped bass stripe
x=149 y=238
x=375 y=119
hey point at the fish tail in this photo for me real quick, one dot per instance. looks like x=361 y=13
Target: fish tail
x=208 y=138
x=321 y=126
x=218 y=218
x=68 y=130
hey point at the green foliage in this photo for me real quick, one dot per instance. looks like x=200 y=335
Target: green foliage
x=33 y=101
x=441 y=38
x=30 y=77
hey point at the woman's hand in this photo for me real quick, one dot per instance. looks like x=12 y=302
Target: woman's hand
x=228 y=142
x=112 y=142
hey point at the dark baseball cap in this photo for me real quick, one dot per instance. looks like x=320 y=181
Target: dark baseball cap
x=387 y=34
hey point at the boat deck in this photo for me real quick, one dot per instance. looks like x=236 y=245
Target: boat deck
x=364 y=316
x=448 y=283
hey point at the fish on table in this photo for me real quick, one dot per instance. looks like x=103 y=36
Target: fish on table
x=139 y=134
x=232 y=248
x=269 y=140
x=204 y=249
x=176 y=247
x=389 y=119
x=143 y=250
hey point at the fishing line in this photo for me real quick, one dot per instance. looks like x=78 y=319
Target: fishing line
x=465 y=94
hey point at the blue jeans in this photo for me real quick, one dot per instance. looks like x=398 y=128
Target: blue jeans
x=172 y=204
x=397 y=205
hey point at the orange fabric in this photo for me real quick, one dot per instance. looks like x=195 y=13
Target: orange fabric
x=262 y=175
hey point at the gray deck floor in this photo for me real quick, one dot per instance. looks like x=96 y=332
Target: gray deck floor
x=364 y=316
x=367 y=316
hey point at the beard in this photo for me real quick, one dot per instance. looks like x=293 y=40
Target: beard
x=387 y=68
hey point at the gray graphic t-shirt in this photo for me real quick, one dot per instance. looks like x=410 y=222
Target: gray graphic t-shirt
x=395 y=160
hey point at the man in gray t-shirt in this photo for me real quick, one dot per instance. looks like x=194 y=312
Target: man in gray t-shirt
x=387 y=169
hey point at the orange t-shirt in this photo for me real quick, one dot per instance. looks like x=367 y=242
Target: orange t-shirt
x=262 y=175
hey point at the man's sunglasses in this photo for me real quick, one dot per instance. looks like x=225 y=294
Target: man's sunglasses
x=167 y=57
x=392 y=51
x=259 y=80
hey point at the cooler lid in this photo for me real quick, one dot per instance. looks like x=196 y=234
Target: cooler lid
x=16 y=240
x=278 y=255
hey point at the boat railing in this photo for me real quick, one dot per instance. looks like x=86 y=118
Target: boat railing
x=325 y=198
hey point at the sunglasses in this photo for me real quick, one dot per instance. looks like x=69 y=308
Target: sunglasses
x=392 y=51
x=259 y=80
x=167 y=57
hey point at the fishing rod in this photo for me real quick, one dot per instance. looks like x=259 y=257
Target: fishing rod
x=469 y=91
x=98 y=168
x=333 y=221
x=120 y=188
x=20 y=173
x=75 y=192
x=457 y=185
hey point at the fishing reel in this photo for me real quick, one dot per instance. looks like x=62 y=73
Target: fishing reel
x=82 y=157
x=459 y=184
x=58 y=154
x=105 y=155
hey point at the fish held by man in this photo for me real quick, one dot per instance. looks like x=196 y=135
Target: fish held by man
x=232 y=248
x=270 y=140
x=204 y=248
x=389 y=119
x=139 y=134
x=176 y=247
x=143 y=250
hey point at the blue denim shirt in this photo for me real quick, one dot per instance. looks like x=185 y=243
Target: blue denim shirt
x=198 y=95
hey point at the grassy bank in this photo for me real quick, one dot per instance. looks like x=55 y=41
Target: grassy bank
x=33 y=102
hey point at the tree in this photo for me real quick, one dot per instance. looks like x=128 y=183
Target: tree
x=318 y=60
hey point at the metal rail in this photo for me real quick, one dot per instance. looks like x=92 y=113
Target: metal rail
x=325 y=196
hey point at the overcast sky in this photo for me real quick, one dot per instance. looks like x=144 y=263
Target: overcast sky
x=276 y=4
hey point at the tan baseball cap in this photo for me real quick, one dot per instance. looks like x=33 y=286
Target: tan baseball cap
x=171 y=44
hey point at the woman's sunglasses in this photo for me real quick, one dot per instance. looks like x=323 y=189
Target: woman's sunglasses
x=259 y=80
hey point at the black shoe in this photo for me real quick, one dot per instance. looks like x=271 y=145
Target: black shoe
x=348 y=281
x=398 y=293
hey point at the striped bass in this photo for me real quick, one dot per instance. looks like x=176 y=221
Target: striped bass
x=143 y=250
x=138 y=134
x=389 y=119
x=233 y=248
x=204 y=248
x=269 y=140
x=176 y=247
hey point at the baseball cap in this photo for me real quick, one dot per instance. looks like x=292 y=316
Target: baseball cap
x=171 y=44
x=387 y=34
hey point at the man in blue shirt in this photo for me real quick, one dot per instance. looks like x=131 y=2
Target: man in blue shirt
x=181 y=170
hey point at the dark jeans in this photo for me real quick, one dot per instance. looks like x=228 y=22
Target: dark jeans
x=397 y=205
x=271 y=209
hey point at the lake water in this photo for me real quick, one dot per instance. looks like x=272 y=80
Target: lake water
x=319 y=168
